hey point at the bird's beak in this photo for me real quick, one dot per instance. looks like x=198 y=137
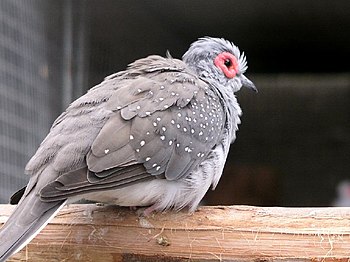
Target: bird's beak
x=247 y=83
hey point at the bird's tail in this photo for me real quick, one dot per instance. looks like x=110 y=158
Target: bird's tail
x=30 y=216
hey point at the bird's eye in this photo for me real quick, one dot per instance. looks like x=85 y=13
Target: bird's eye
x=228 y=62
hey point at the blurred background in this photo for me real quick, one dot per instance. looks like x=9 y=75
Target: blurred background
x=293 y=146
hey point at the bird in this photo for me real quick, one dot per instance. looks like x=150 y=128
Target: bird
x=155 y=135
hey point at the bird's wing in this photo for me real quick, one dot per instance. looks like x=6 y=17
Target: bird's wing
x=165 y=121
x=162 y=122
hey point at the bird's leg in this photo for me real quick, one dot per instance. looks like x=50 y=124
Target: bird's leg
x=148 y=211
x=133 y=208
x=145 y=211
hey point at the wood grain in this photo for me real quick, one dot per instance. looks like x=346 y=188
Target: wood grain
x=220 y=233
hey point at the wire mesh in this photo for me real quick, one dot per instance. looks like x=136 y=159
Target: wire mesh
x=25 y=110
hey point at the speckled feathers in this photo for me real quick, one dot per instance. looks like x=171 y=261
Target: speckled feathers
x=168 y=121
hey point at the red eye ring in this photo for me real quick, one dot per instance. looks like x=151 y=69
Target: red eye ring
x=228 y=64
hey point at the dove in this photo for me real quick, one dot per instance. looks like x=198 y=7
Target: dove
x=156 y=135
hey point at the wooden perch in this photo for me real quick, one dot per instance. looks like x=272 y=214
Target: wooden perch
x=221 y=233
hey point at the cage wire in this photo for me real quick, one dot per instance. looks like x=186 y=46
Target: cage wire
x=32 y=73
x=24 y=92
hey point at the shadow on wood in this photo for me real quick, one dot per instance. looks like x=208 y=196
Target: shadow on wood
x=221 y=233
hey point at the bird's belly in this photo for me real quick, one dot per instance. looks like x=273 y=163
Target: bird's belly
x=162 y=192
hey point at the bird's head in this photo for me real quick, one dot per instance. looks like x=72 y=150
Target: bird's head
x=219 y=60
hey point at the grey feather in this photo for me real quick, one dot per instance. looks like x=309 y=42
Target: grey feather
x=155 y=134
x=28 y=218
x=16 y=197
x=83 y=181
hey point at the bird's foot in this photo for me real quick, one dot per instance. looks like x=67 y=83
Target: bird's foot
x=149 y=210
x=144 y=211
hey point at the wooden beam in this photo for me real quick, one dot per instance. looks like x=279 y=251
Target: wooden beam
x=220 y=233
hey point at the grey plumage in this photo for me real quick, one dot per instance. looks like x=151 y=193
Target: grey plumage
x=156 y=135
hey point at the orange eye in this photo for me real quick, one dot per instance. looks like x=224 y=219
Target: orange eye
x=228 y=64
